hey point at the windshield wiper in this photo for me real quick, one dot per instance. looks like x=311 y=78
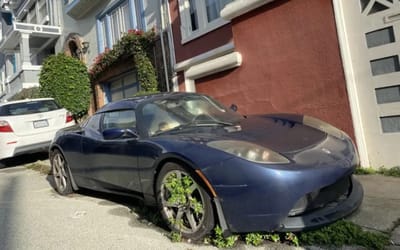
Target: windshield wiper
x=194 y=124
x=174 y=129
x=215 y=123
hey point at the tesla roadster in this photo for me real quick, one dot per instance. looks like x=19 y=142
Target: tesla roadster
x=203 y=164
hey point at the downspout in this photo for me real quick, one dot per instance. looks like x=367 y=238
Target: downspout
x=162 y=44
x=49 y=6
x=171 y=46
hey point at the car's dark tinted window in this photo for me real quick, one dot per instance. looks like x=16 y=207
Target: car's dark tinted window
x=31 y=107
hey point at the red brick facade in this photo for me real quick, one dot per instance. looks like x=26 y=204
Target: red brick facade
x=291 y=63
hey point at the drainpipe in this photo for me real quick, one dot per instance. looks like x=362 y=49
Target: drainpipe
x=165 y=17
x=162 y=44
x=49 y=7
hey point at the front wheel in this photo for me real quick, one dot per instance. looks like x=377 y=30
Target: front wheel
x=61 y=177
x=184 y=204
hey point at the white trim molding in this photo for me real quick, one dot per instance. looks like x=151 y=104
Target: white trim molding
x=27 y=85
x=216 y=65
x=31 y=67
x=351 y=83
x=240 y=7
x=223 y=50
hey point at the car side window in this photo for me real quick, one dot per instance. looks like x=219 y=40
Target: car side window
x=94 y=122
x=156 y=119
x=92 y=127
x=119 y=119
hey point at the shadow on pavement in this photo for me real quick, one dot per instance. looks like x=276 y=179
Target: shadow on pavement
x=145 y=214
x=23 y=159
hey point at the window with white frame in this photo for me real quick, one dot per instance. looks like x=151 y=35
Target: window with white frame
x=37 y=13
x=116 y=21
x=199 y=17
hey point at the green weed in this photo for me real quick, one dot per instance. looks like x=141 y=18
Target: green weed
x=344 y=233
x=220 y=241
x=254 y=239
x=394 y=171
x=40 y=167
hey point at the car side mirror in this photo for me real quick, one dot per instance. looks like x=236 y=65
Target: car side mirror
x=118 y=133
x=234 y=107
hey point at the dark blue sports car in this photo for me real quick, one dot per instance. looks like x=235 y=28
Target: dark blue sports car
x=204 y=164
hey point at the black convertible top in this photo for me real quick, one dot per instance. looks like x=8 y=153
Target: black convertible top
x=132 y=103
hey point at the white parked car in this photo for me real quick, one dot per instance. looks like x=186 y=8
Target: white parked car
x=28 y=126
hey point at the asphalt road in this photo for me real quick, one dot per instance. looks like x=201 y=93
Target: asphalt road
x=34 y=216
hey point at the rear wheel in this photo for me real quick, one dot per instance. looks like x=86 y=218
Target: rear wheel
x=60 y=173
x=184 y=204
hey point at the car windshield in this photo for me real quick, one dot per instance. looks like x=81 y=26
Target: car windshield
x=179 y=112
x=29 y=107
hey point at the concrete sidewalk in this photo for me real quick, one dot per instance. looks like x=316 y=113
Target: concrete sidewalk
x=380 y=210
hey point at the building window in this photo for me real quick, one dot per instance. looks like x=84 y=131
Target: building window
x=390 y=124
x=385 y=65
x=32 y=14
x=115 y=21
x=370 y=7
x=388 y=94
x=122 y=87
x=199 y=17
x=37 y=13
x=380 y=37
x=13 y=61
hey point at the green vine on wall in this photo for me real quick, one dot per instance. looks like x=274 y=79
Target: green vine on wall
x=136 y=44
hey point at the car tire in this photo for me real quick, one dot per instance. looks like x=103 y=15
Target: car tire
x=192 y=216
x=60 y=172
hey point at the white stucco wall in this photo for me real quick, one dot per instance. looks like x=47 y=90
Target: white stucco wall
x=377 y=148
x=86 y=26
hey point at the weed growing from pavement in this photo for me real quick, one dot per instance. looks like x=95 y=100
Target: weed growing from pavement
x=218 y=239
x=273 y=237
x=365 y=171
x=254 y=239
x=339 y=234
x=176 y=237
x=40 y=167
x=344 y=233
x=291 y=238
x=394 y=171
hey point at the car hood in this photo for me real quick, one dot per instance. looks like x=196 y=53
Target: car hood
x=279 y=134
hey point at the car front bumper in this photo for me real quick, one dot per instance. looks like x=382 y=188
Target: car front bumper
x=326 y=215
x=307 y=221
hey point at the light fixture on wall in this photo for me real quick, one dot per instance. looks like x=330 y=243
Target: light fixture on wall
x=85 y=47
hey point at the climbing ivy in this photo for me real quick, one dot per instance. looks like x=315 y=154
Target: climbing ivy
x=136 y=44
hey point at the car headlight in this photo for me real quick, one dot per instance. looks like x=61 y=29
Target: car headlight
x=249 y=151
x=323 y=126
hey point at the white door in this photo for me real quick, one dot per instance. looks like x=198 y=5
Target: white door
x=369 y=34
